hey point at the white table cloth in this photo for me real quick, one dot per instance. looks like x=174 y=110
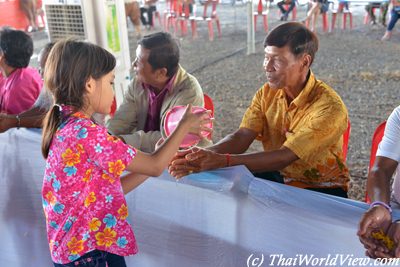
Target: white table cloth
x=216 y=218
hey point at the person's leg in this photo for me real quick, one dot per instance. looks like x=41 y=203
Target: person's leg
x=115 y=260
x=312 y=10
x=394 y=16
x=150 y=12
x=134 y=15
x=142 y=17
x=341 y=7
x=29 y=9
x=314 y=18
x=280 y=5
x=128 y=10
x=369 y=8
x=32 y=11
x=384 y=9
x=291 y=6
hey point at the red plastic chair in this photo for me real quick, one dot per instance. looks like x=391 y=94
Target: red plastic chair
x=178 y=12
x=345 y=12
x=113 y=107
x=262 y=13
x=325 y=23
x=346 y=137
x=376 y=139
x=208 y=104
x=209 y=19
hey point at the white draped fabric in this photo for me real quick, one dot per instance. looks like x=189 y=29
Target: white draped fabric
x=216 y=218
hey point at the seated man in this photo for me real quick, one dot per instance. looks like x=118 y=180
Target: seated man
x=148 y=7
x=380 y=5
x=299 y=119
x=379 y=216
x=20 y=85
x=33 y=117
x=285 y=13
x=160 y=84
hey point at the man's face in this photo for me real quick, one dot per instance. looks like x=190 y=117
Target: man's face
x=281 y=67
x=141 y=66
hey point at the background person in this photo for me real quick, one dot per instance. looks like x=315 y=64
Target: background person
x=379 y=215
x=148 y=8
x=32 y=118
x=285 y=13
x=312 y=13
x=394 y=16
x=132 y=10
x=383 y=6
x=30 y=11
x=20 y=84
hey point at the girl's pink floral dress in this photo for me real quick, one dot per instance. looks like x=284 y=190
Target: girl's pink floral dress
x=83 y=201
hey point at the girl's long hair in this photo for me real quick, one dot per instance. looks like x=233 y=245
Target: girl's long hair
x=70 y=64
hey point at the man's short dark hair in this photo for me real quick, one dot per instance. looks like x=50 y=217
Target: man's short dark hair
x=164 y=51
x=295 y=35
x=17 y=47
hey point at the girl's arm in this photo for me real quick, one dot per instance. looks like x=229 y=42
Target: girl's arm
x=131 y=181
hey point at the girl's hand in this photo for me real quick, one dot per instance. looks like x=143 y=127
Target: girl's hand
x=196 y=122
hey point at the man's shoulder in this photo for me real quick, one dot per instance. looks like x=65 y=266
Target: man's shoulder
x=321 y=96
x=397 y=110
x=30 y=72
x=184 y=76
x=395 y=115
x=135 y=87
x=324 y=92
x=186 y=81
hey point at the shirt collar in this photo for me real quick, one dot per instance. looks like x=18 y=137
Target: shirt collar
x=302 y=98
x=168 y=86
x=68 y=110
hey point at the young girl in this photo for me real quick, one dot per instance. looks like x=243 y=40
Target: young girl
x=83 y=191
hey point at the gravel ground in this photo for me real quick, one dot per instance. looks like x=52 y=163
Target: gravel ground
x=360 y=67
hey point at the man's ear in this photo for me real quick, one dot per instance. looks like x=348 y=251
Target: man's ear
x=162 y=72
x=306 y=61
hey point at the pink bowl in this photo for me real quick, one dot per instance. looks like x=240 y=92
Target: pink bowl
x=174 y=115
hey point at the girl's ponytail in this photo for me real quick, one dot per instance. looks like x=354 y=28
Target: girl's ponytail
x=50 y=124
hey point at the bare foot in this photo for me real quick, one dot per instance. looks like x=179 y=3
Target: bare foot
x=386 y=36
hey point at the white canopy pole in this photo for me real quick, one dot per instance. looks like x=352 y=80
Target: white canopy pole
x=251 y=41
